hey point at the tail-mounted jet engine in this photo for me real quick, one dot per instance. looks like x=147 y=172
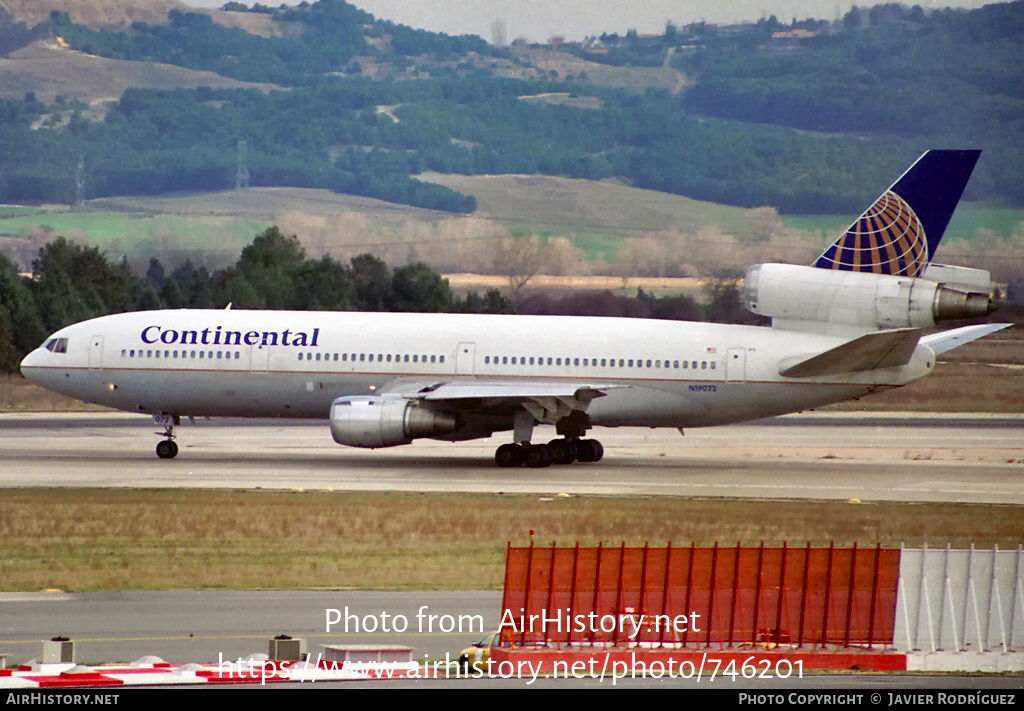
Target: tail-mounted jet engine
x=373 y=422
x=804 y=298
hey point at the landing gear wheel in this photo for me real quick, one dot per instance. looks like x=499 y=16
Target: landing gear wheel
x=538 y=456
x=589 y=450
x=563 y=451
x=167 y=449
x=509 y=455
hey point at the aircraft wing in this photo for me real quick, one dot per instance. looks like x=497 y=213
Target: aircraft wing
x=884 y=349
x=546 y=401
x=515 y=391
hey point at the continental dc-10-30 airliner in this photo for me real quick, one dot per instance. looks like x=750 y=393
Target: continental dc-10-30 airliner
x=852 y=324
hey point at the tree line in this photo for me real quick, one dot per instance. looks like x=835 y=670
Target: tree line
x=949 y=78
x=72 y=283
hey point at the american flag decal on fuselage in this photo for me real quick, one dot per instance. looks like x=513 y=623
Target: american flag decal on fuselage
x=887 y=239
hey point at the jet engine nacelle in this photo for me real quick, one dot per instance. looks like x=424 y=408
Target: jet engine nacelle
x=803 y=298
x=385 y=421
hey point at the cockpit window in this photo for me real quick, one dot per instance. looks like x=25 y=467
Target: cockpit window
x=57 y=345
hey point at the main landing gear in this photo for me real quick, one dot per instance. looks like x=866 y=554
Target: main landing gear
x=571 y=447
x=557 y=451
x=168 y=448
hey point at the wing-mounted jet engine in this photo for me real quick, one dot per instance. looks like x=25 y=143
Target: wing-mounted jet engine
x=373 y=422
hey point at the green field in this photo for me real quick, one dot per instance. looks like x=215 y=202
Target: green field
x=139 y=237
x=968 y=219
x=10 y=211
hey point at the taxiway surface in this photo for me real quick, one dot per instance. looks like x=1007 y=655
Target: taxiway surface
x=224 y=625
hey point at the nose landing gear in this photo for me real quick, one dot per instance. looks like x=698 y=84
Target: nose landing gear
x=168 y=448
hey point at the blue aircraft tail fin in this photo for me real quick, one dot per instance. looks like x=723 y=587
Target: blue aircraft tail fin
x=900 y=232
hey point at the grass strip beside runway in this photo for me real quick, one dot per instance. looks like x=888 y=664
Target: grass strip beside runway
x=101 y=539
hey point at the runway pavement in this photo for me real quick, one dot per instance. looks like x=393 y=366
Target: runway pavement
x=867 y=456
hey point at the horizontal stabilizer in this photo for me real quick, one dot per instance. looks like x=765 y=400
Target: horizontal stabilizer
x=884 y=349
x=948 y=340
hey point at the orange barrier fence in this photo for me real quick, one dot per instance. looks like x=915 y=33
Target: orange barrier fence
x=676 y=596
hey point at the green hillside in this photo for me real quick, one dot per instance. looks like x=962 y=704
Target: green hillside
x=737 y=136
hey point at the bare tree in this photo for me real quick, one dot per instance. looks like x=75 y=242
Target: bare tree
x=519 y=260
x=764 y=223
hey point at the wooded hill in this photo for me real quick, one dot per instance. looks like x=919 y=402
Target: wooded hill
x=810 y=128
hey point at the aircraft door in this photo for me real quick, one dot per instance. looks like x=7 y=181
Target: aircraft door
x=96 y=352
x=259 y=358
x=465 y=359
x=736 y=365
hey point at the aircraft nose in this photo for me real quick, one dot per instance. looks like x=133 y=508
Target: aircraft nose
x=30 y=365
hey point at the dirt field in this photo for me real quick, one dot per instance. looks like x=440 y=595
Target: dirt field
x=569 y=65
x=95 y=13
x=49 y=69
x=596 y=205
x=19 y=395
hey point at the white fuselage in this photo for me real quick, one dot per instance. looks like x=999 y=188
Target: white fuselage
x=294 y=364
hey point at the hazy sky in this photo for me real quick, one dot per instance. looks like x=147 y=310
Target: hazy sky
x=538 y=20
